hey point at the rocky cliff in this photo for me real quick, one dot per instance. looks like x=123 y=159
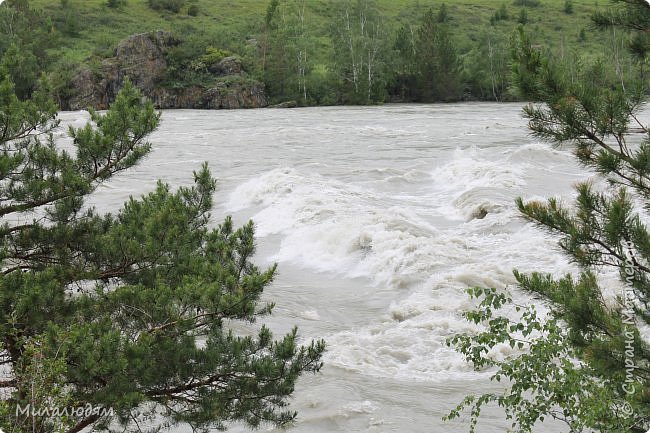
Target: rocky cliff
x=141 y=59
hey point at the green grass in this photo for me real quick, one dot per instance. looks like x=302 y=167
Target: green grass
x=228 y=23
x=222 y=22
x=231 y=24
x=549 y=24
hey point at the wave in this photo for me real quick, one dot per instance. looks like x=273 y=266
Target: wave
x=427 y=249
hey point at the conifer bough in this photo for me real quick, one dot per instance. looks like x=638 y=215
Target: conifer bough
x=125 y=313
x=588 y=364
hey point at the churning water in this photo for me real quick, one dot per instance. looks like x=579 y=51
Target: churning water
x=378 y=217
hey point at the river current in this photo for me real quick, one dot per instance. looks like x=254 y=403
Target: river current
x=378 y=218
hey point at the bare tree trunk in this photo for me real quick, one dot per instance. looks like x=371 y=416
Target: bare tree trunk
x=617 y=59
x=355 y=79
x=492 y=71
x=302 y=51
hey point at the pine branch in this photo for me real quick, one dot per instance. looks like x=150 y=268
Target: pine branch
x=608 y=148
x=83 y=424
x=11 y=383
x=211 y=380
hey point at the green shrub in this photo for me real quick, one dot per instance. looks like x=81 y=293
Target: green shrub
x=104 y=46
x=523 y=17
x=500 y=14
x=213 y=55
x=114 y=4
x=170 y=5
x=71 y=23
x=528 y=3
x=60 y=77
x=582 y=36
x=193 y=10
x=568 y=7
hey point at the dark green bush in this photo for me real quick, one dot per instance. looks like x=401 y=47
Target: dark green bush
x=529 y=3
x=169 y=5
x=500 y=14
x=523 y=17
x=568 y=7
x=193 y=10
x=114 y=4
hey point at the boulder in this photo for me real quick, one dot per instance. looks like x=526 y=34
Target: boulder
x=187 y=97
x=141 y=58
x=245 y=94
x=84 y=91
x=224 y=95
x=227 y=66
x=285 y=104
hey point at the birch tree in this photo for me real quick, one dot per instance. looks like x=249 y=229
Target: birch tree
x=360 y=41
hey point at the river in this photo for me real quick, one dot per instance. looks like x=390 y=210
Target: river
x=378 y=217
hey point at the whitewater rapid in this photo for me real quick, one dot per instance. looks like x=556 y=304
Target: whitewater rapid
x=379 y=218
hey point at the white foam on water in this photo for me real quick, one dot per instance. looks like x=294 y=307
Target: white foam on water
x=365 y=406
x=354 y=230
x=469 y=185
x=468 y=169
x=309 y=315
x=399 y=215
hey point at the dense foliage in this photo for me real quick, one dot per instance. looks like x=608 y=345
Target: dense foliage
x=119 y=318
x=25 y=36
x=313 y=52
x=588 y=365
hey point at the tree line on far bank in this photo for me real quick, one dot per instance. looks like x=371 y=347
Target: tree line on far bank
x=371 y=61
x=363 y=56
x=313 y=53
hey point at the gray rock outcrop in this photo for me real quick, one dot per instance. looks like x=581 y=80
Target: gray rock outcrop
x=141 y=59
x=227 y=66
x=225 y=95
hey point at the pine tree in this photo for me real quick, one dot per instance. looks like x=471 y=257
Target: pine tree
x=437 y=62
x=116 y=318
x=443 y=14
x=588 y=365
x=404 y=58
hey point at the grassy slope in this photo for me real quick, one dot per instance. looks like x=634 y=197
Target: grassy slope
x=228 y=23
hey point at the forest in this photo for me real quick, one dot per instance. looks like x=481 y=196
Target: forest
x=310 y=52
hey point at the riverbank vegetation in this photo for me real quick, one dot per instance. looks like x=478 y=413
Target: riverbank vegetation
x=141 y=317
x=586 y=365
x=311 y=52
